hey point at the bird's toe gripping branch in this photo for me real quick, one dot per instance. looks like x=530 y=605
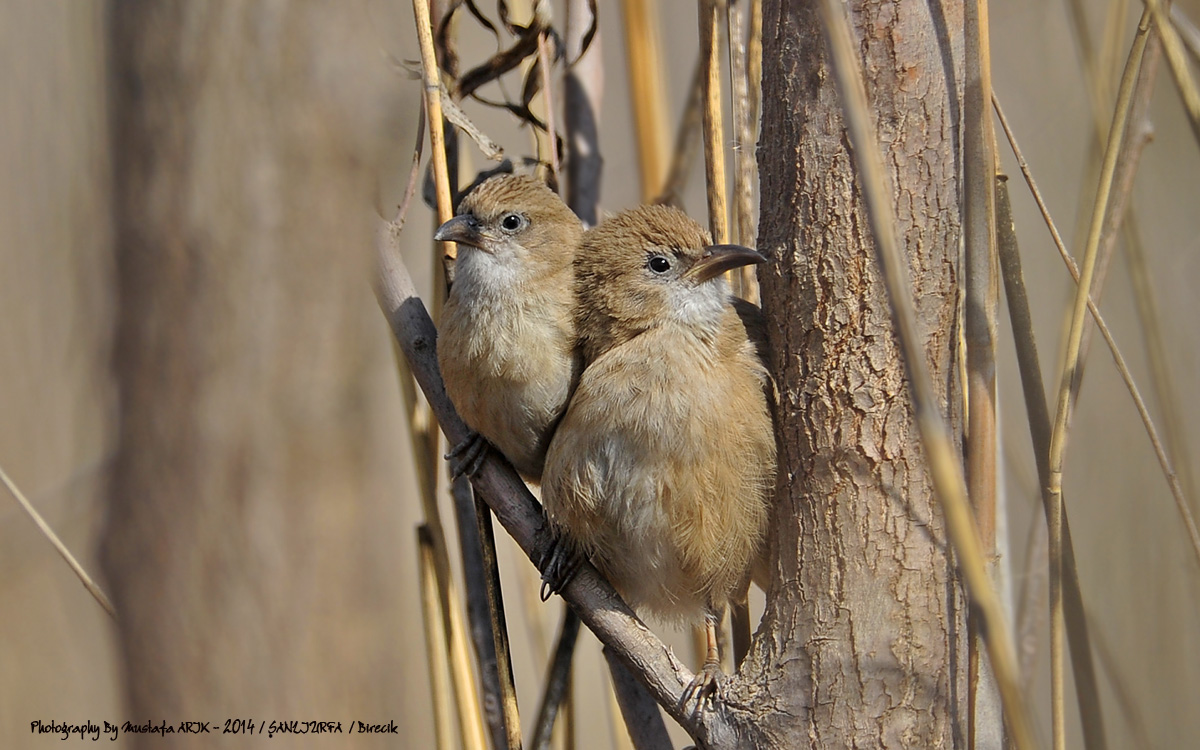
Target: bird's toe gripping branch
x=559 y=565
x=467 y=457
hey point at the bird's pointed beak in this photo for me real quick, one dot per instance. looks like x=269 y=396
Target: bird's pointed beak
x=462 y=229
x=718 y=259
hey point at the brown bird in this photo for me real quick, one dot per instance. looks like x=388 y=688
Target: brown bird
x=506 y=338
x=661 y=468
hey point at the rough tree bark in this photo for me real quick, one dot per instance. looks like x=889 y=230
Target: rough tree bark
x=252 y=533
x=863 y=641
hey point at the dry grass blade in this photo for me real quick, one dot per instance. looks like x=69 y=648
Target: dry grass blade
x=1038 y=414
x=647 y=91
x=1178 y=64
x=944 y=469
x=435 y=643
x=93 y=589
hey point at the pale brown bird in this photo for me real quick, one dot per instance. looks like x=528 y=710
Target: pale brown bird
x=506 y=337
x=661 y=468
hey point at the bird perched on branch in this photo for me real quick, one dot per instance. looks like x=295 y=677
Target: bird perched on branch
x=506 y=338
x=661 y=467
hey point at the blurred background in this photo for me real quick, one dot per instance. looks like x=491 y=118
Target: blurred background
x=190 y=347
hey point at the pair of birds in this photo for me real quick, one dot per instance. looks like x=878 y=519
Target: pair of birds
x=613 y=367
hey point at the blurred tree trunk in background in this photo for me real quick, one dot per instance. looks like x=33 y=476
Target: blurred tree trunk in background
x=250 y=550
x=863 y=641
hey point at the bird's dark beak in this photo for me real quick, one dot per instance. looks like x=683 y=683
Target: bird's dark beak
x=462 y=229
x=718 y=259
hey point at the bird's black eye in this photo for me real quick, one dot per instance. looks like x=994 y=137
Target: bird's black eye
x=659 y=264
x=512 y=222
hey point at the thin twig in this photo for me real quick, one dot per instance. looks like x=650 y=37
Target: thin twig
x=944 y=469
x=414 y=172
x=93 y=589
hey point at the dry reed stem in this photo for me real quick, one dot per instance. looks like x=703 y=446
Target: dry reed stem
x=465 y=688
x=648 y=92
x=89 y=584
x=754 y=60
x=745 y=168
x=1038 y=416
x=1118 y=358
x=940 y=454
x=558 y=680
x=981 y=292
x=1071 y=363
x=1182 y=76
x=1137 y=136
x=435 y=647
x=548 y=103
x=643 y=722
x=479 y=611
x=1175 y=434
x=583 y=88
x=491 y=571
x=714 y=126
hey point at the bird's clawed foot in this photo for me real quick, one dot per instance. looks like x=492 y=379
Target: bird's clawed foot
x=704 y=687
x=467 y=456
x=559 y=565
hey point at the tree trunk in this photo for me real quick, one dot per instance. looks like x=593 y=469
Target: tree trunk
x=253 y=530
x=863 y=641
